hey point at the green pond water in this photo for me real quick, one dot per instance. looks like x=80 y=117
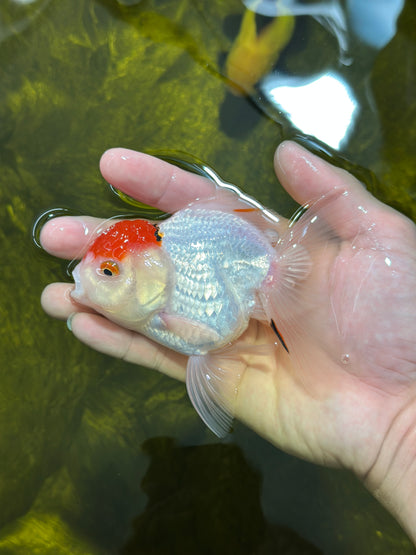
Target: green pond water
x=101 y=457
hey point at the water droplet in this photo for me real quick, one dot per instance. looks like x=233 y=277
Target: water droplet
x=272 y=236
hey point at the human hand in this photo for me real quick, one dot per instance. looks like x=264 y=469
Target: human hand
x=358 y=413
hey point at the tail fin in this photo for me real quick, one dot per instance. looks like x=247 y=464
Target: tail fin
x=294 y=297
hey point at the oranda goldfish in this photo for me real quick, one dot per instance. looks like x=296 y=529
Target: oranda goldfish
x=192 y=282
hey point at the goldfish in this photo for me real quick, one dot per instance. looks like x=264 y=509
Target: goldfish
x=254 y=54
x=192 y=283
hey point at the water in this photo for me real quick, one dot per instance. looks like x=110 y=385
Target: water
x=99 y=456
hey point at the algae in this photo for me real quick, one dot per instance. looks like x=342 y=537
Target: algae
x=76 y=79
x=394 y=84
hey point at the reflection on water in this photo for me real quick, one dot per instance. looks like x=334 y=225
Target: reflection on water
x=78 y=78
x=17 y=15
x=375 y=21
x=201 y=484
x=323 y=106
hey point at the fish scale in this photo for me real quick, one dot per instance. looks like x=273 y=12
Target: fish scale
x=219 y=261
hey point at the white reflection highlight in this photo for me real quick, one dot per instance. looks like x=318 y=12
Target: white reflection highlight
x=375 y=21
x=324 y=107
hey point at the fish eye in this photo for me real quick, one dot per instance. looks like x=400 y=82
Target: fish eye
x=109 y=268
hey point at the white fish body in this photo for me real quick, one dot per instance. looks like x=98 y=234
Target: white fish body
x=192 y=283
x=219 y=263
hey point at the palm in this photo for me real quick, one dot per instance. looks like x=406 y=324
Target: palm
x=321 y=406
x=350 y=339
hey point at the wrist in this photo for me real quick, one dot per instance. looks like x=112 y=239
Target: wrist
x=392 y=477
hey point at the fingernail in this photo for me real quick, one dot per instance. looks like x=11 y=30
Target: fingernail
x=69 y=321
x=296 y=153
x=278 y=157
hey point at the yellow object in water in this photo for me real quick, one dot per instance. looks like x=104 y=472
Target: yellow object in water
x=254 y=54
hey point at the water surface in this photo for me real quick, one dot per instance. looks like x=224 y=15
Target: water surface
x=102 y=457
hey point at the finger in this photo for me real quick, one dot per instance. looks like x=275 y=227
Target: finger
x=307 y=177
x=68 y=236
x=170 y=188
x=108 y=338
x=58 y=303
x=152 y=180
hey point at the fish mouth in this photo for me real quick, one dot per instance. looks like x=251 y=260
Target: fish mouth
x=78 y=292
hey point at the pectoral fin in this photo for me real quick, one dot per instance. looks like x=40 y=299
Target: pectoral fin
x=194 y=333
x=212 y=381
